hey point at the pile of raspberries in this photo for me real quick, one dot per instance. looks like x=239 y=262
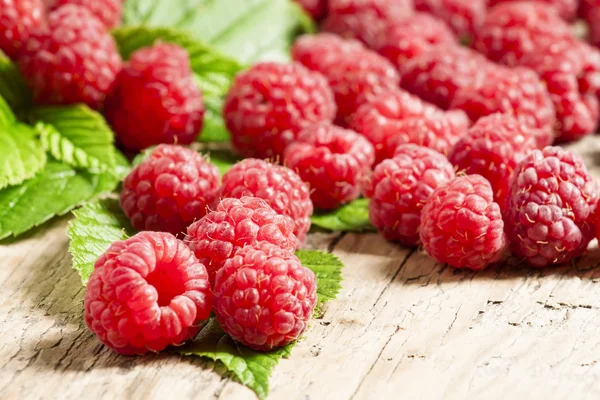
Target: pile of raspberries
x=452 y=144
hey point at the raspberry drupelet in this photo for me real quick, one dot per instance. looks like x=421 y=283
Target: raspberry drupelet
x=492 y=148
x=334 y=162
x=169 y=190
x=70 y=59
x=551 y=202
x=156 y=99
x=264 y=297
x=399 y=188
x=566 y=9
x=270 y=103
x=107 y=11
x=146 y=293
x=463 y=16
x=462 y=226
x=234 y=224
x=279 y=186
x=18 y=18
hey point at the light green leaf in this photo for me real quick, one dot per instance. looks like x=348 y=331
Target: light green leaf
x=95 y=227
x=12 y=86
x=7 y=117
x=21 y=154
x=247 y=30
x=250 y=367
x=214 y=130
x=352 y=217
x=328 y=270
x=77 y=136
x=55 y=190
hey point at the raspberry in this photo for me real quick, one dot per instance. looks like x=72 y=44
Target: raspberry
x=316 y=8
x=552 y=197
x=156 y=99
x=400 y=186
x=71 y=60
x=107 y=11
x=398 y=117
x=356 y=75
x=334 y=161
x=146 y=293
x=567 y=9
x=436 y=75
x=511 y=30
x=264 y=297
x=280 y=187
x=364 y=19
x=234 y=224
x=518 y=92
x=270 y=103
x=492 y=148
x=591 y=14
x=319 y=52
x=18 y=18
x=462 y=226
x=463 y=16
x=169 y=190
x=404 y=41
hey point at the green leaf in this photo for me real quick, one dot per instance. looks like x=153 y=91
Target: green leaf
x=95 y=227
x=214 y=130
x=21 y=154
x=7 y=117
x=248 y=30
x=352 y=217
x=250 y=367
x=55 y=190
x=215 y=71
x=328 y=269
x=77 y=136
x=223 y=159
x=12 y=86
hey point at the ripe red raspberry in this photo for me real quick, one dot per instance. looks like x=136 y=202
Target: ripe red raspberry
x=316 y=8
x=552 y=198
x=169 y=190
x=398 y=117
x=270 y=103
x=146 y=293
x=234 y=224
x=407 y=40
x=264 y=297
x=567 y=9
x=511 y=30
x=400 y=186
x=463 y=16
x=334 y=161
x=364 y=19
x=436 y=75
x=319 y=52
x=462 y=225
x=492 y=148
x=279 y=186
x=72 y=59
x=591 y=14
x=107 y=11
x=18 y=18
x=156 y=99
x=516 y=91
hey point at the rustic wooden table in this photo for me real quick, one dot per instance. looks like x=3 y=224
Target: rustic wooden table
x=402 y=327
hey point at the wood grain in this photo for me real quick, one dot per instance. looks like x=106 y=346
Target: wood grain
x=403 y=326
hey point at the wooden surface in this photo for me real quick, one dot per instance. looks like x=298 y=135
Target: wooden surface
x=402 y=327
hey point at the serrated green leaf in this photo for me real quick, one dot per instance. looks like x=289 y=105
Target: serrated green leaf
x=12 y=86
x=21 y=154
x=328 y=270
x=95 y=227
x=272 y=25
x=77 y=136
x=352 y=217
x=215 y=70
x=55 y=190
x=250 y=367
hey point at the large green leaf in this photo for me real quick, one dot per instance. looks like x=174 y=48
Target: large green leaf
x=328 y=270
x=21 y=154
x=55 y=190
x=95 y=227
x=352 y=217
x=248 y=30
